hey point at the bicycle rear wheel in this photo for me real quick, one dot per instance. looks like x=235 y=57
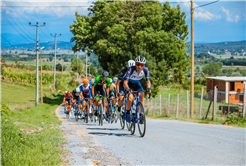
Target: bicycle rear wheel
x=141 y=120
x=101 y=114
x=87 y=113
x=122 y=121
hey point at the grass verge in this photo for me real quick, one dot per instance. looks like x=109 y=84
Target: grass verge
x=32 y=137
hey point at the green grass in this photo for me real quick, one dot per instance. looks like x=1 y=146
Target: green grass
x=31 y=137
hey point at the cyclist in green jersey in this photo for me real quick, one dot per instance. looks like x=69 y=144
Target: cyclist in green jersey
x=98 y=87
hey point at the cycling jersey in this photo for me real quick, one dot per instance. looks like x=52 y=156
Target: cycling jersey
x=133 y=77
x=70 y=96
x=85 y=90
x=123 y=74
x=98 y=81
x=112 y=87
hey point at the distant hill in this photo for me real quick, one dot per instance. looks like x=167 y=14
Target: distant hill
x=47 y=45
x=236 y=46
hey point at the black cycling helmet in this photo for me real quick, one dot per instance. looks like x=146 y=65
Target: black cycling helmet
x=105 y=73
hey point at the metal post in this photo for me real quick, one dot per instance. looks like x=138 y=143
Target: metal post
x=154 y=107
x=200 y=114
x=177 y=113
x=62 y=72
x=192 y=61
x=55 y=58
x=244 y=99
x=215 y=102
x=168 y=105
x=160 y=104
x=188 y=112
x=37 y=48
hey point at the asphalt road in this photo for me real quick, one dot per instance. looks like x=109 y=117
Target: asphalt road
x=166 y=142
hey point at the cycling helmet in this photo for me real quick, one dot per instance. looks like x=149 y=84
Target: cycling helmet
x=115 y=79
x=90 y=75
x=105 y=73
x=130 y=63
x=111 y=80
x=140 y=59
x=68 y=92
x=85 y=81
x=92 y=81
x=77 y=90
x=65 y=92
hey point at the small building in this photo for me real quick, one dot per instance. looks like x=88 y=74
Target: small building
x=229 y=88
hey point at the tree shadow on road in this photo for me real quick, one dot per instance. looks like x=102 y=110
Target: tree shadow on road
x=110 y=134
x=54 y=100
x=103 y=129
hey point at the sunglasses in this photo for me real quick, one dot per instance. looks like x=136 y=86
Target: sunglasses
x=140 y=64
x=105 y=77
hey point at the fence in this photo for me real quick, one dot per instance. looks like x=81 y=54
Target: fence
x=178 y=106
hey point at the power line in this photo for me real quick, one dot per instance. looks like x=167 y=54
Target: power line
x=205 y=4
x=47 y=6
x=19 y=32
x=18 y=28
x=7 y=41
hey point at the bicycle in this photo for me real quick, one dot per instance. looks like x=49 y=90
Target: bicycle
x=111 y=114
x=122 y=115
x=67 y=111
x=76 y=113
x=136 y=116
x=100 y=113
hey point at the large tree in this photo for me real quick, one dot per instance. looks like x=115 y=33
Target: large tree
x=122 y=30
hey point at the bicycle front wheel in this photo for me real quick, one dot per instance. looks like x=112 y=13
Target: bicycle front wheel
x=141 y=119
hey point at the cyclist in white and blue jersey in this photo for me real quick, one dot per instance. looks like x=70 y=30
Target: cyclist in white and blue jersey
x=120 y=90
x=132 y=82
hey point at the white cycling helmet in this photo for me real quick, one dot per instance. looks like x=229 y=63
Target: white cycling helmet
x=77 y=90
x=130 y=63
x=140 y=59
x=92 y=81
x=111 y=80
x=65 y=92
x=115 y=79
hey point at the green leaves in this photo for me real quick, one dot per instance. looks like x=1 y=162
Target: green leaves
x=122 y=30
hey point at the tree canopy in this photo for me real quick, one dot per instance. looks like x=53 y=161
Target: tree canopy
x=122 y=30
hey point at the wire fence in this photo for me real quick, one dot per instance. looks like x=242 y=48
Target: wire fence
x=178 y=106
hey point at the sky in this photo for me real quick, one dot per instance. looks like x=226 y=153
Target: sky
x=217 y=22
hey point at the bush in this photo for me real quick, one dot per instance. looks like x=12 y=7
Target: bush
x=232 y=119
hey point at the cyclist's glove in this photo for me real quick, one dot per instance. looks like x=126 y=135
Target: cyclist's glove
x=149 y=89
x=118 y=94
x=127 y=91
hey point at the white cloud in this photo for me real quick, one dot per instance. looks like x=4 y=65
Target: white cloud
x=46 y=7
x=199 y=13
x=237 y=18
x=229 y=17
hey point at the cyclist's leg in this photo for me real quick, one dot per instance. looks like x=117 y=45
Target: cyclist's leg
x=141 y=94
x=122 y=92
x=79 y=101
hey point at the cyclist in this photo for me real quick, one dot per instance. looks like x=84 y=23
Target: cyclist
x=67 y=100
x=112 y=91
x=85 y=92
x=115 y=79
x=76 y=98
x=98 y=86
x=120 y=90
x=132 y=82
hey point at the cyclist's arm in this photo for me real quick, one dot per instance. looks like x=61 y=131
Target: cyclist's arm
x=118 y=86
x=148 y=84
x=92 y=90
x=107 y=90
x=126 y=85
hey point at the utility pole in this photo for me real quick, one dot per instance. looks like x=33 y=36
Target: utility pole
x=41 y=82
x=192 y=62
x=86 y=64
x=37 y=48
x=55 y=57
x=192 y=55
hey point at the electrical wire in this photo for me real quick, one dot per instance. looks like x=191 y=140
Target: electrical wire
x=7 y=41
x=18 y=30
x=206 y=4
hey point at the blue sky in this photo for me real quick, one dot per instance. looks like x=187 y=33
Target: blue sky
x=220 y=21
